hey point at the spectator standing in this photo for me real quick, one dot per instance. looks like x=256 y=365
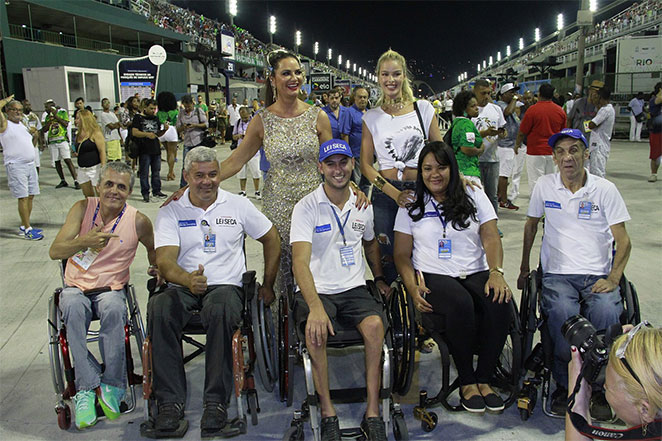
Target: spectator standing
x=338 y=115
x=168 y=111
x=191 y=125
x=91 y=148
x=110 y=126
x=54 y=124
x=233 y=115
x=506 y=145
x=202 y=106
x=253 y=164
x=541 y=121
x=354 y=126
x=584 y=110
x=491 y=125
x=601 y=126
x=465 y=138
x=32 y=121
x=132 y=108
x=18 y=153
x=221 y=121
x=655 y=132
x=520 y=154
x=637 y=116
x=146 y=130
x=448 y=108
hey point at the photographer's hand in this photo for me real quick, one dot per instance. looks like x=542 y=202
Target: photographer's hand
x=582 y=399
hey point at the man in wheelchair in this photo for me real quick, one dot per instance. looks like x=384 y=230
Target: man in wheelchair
x=584 y=216
x=326 y=234
x=199 y=248
x=99 y=239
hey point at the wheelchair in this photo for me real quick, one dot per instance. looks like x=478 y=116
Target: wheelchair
x=397 y=367
x=506 y=376
x=253 y=346
x=62 y=369
x=539 y=359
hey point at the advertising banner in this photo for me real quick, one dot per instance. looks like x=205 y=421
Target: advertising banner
x=320 y=82
x=140 y=75
x=637 y=60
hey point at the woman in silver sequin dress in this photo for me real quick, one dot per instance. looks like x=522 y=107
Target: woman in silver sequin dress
x=291 y=132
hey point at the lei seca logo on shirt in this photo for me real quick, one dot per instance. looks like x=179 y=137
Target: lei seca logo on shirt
x=226 y=221
x=358 y=225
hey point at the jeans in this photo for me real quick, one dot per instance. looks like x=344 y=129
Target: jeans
x=169 y=312
x=77 y=311
x=489 y=176
x=145 y=162
x=182 y=181
x=385 y=210
x=565 y=295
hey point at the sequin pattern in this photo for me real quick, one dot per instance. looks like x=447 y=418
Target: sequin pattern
x=291 y=146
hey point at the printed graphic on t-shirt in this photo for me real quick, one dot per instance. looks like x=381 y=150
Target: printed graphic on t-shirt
x=150 y=125
x=404 y=145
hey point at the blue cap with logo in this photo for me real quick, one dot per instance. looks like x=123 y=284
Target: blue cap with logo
x=571 y=133
x=334 y=147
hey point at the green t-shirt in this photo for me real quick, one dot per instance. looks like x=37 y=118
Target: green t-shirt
x=465 y=134
x=57 y=133
x=202 y=106
x=170 y=116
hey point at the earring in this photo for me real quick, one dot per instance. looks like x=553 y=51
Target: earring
x=275 y=91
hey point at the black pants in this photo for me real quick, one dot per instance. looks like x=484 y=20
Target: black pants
x=220 y=312
x=469 y=321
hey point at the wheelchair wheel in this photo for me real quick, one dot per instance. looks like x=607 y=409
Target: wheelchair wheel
x=429 y=427
x=400 y=431
x=403 y=324
x=64 y=417
x=509 y=365
x=632 y=313
x=294 y=433
x=55 y=355
x=265 y=343
x=529 y=319
x=253 y=407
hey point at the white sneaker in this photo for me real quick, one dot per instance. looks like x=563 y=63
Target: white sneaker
x=653 y=178
x=258 y=196
x=243 y=193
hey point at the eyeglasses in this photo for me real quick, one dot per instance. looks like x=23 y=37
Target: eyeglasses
x=14 y=109
x=620 y=352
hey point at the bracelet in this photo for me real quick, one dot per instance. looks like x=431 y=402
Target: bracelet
x=379 y=278
x=379 y=181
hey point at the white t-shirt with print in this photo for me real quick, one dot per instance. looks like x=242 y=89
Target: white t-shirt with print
x=604 y=120
x=489 y=116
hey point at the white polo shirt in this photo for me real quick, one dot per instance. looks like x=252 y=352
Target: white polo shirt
x=577 y=242
x=489 y=116
x=467 y=253
x=184 y=225
x=313 y=222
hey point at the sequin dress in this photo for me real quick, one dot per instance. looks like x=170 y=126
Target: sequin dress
x=291 y=146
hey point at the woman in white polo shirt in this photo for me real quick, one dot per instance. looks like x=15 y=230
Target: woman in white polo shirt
x=449 y=255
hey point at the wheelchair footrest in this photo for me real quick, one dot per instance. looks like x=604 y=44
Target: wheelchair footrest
x=147 y=430
x=234 y=427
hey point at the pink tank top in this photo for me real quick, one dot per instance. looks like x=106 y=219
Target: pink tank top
x=111 y=266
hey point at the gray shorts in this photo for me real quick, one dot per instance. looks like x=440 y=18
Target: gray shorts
x=346 y=309
x=22 y=179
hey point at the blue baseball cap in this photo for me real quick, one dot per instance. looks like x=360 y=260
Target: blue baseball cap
x=334 y=147
x=570 y=133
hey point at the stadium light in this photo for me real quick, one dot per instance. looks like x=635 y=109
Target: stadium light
x=329 y=54
x=466 y=76
x=489 y=63
x=340 y=61
x=272 y=28
x=354 y=67
x=593 y=5
x=521 y=43
x=498 y=56
x=316 y=48
x=478 y=68
x=484 y=64
x=459 y=78
x=536 y=35
x=232 y=7
x=347 y=64
x=559 y=22
x=297 y=38
x=508 y=51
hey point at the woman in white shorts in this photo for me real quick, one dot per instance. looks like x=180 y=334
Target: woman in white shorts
x=91 y=148
x=168 y=112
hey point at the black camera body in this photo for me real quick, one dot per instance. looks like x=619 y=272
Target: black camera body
x=593 y=348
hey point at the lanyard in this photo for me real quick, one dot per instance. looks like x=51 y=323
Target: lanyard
x=441 y=218
x=341 y=227
x=96 y=212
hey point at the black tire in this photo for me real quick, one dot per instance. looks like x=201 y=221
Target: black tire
x=430 y=427
x=64 y=417
x=524 y=414
x=400 y=431
x=252 y=407
x=294 y=433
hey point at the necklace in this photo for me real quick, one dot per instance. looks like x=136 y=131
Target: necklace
x=393 y=105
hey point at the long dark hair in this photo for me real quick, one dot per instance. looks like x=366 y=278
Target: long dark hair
x=458 y=206
x=273 y=60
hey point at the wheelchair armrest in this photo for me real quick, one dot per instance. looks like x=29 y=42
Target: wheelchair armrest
x=153 y=289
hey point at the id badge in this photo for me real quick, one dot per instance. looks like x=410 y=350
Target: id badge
x=587 y=129
x=584 y=211
x=83 y=259
x=445 y=249
x=347 y=256
x=210 y=243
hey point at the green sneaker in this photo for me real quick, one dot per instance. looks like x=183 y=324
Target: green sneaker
x=84 y=411
x=109 y=399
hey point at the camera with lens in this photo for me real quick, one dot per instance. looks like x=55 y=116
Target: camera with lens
x=593 y=348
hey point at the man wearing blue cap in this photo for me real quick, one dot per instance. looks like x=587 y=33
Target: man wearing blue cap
x=584 y=215
x=327 y=233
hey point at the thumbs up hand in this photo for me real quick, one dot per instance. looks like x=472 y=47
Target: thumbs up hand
x=198 y=281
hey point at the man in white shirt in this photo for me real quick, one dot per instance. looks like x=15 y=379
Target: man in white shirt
x=199 y=250
x=637 y=116
x=233 y=116
x=110 y=126
x=601 y=127
x=327 y=234
x=32 y=121
x=491 y=123
x=19 y=155
x=584 y=216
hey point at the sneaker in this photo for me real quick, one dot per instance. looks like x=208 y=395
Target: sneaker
x=146 y=198
x=109 y=399
x=258 y=196
x=475 y=404
x=560 y=401
x=653 y=178
x=31 y=234
x=242 y=193
x=374 y=428
x=599 y=408
x=76 y=185
x=500 y=232
x=22 y=230
x=84 y=411
x=330 y=429
x=508 y=205
x=214 y=417
x=169 y=417
x=62 y=184
x=493 y=402
x=160 y=195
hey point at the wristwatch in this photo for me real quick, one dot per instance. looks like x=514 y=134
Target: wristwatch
x=497 y=270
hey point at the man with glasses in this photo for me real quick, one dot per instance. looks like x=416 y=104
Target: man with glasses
x=584 y=216
x=19 y=156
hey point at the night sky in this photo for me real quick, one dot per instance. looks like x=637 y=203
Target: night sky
x=440 y=39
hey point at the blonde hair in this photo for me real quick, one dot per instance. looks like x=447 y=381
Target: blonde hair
x=644 y=355
x=407 y=92
x=88 y=122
